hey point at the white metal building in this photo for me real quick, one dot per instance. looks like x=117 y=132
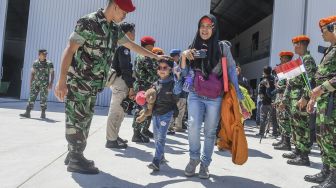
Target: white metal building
x=51 y=22
x=258 y=30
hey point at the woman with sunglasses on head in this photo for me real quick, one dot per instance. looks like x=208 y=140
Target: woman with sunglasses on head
x=202 y=64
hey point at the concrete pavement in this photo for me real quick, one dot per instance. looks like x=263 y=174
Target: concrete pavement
x=32 y=152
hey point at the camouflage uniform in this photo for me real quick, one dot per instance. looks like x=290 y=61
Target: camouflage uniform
x=145 y=75
x=284 y=120
x=40 y=83
x=88 y=72
x=299 y=89
x=326 y=108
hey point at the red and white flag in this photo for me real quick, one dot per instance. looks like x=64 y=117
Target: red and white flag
x=280 y=73
x=293 y=68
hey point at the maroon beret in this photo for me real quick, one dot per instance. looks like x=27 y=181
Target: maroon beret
x=147 y=40
x=125 y=5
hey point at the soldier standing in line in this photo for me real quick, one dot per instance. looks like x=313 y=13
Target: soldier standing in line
x=297 y=91
x=325 y=95
x=284 y=120
x=41 y=81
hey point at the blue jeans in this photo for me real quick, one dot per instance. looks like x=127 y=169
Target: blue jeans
x=160 y=128
x=202 y=109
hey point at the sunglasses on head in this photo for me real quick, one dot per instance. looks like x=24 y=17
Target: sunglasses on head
x=163 y=68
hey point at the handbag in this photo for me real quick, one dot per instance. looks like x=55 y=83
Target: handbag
x=211 y=87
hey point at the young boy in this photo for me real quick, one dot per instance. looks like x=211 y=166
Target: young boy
x=168 y=88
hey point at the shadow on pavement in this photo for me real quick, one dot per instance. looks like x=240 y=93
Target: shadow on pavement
x=102 y=180
x=52 y=106
x=135 y=153
x=252 y=153
x=105 y=180
x=217 y=181
x=48 y=120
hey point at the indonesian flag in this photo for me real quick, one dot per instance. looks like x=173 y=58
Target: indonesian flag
x=293 y=68
x=280 y=73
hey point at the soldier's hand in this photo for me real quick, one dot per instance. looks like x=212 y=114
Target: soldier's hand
x=310 y=106
x=302 y=103
x=317 y=92
x=61 y=91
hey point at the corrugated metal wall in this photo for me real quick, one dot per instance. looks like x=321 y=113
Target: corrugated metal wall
x=3 y=12
x=288 y=22
x=288 y=19
x=325 y=8
x=172 y=22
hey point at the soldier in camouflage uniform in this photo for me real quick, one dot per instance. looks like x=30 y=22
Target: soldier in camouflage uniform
x=145 y=70
x=282 y=113
x=297 y=91
x=325 y=95
x=41 y=81
x=85 y=65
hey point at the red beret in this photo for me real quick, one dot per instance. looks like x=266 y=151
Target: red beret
x=300 y=38
x=147 y=40
x=125 y=5
x=327 y=20
x=286 y=53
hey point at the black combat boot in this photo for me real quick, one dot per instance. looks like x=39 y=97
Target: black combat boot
x=330 y=182
x=43 y=114
x=285 y=146
x=115 y=144
x=291 y=155
x=300 y=160
x=279 y=142
x=138 y=137
x=147 y=133
x=319 y=177
x=67 y=160
x=122 y=140
x=27 y=113
x=79 y=164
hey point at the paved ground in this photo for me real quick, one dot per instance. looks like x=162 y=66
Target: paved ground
x=32 y=153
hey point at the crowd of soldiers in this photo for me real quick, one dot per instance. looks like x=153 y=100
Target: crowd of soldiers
x=93 y=49
x=300 y=102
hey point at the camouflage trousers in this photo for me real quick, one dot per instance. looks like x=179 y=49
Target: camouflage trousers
x=36 y=89
x=79 y=110
x=284 y=122
x=141 y=126
x=300 y=126
x=326 y=129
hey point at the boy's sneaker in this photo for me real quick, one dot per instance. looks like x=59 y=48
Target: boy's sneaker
x=191 y=167
x=204 y=172
x=163 y=160
x=154 y=166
